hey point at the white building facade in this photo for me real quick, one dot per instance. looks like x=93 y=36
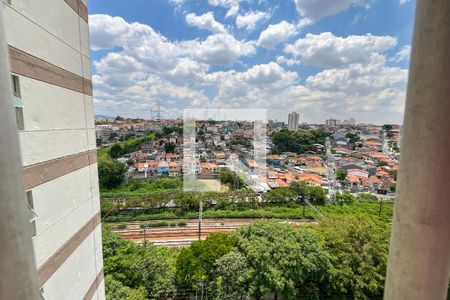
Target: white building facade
x=48 y=43
x=293 y=121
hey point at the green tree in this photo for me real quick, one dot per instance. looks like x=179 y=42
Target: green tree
x=283 y=260
x=230 y=179
x=150 y=269
x=392 y=187
x=280 y=195
x=316 y=195
x=111 y=174
x=352 y=137
x=345 y=198
x=387 y=127
x=297 y=141
x=158 y=272
x=359 y=248
x=112 y=136
x=382 y=164
x=232 y=277
x=116 y=151
x=169 y=147
x=341 y=174
x=195 y=264
x=115 y=290
x=299 y=187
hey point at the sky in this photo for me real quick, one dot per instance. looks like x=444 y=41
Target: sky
x=321 y=58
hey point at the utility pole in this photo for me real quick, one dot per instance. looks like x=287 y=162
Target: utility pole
x=200 y=216
x=145 y=235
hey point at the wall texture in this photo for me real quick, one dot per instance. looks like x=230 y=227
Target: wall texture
x=49 y=52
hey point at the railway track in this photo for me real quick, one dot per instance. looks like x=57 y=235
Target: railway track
x=183 y=236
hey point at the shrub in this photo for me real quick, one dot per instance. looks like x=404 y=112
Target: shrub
x=182 y=223
x=122 y=226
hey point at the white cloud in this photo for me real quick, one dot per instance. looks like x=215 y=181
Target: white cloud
x=232 y=5
x=250 y=19
x=143 y=67
x=371 y=89
x=218 y=49
x=315 y=10
x=148 y=66
x=404 y=1
x=255 y=87
x=177 y=2
x=330 y=51
x=137 y=40
x=156 y=52
x=275 y=34
x=205 y=21
x=403 y=54
x=282 y=60
x=371 y=92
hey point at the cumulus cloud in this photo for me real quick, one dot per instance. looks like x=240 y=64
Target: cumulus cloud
x=403 y=54
x=143 y=67
x=282 y=60
x=315 y=10
x=370 y=91
x=137 y=40
x=205 y=21
x=275 y=34
x=404 y=1
x=250 y=19
x=370 y=87
x=156 y=51
x=330 y=51
x=232 y=5
x=218 y=49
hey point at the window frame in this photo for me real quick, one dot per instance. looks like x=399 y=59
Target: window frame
x=32 y=220
x=15 y=82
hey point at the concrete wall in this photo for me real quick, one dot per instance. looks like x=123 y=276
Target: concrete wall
x=59 y=122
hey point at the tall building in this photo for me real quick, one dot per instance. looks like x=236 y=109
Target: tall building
x=293 y=121
x=48 y=43
x=332 y=122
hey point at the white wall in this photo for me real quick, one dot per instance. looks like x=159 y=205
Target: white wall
x=32 y=27
x=73 y=279
x=63 y=206
x=59 y=122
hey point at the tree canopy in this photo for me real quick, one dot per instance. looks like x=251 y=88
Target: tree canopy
x=297 y=141
x=111 y=174
x=342 y=257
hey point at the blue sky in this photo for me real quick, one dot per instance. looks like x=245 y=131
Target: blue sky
x=321 y=58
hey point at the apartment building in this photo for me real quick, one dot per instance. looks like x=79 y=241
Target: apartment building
x=48 y=43
x=293 y=118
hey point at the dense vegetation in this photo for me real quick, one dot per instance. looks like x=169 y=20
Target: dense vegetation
x=297 y=141
x=111 y=174
x=343 y=257
x=164 y=199
x=120 y=149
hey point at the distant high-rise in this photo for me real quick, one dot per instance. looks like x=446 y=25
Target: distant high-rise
x=332 y=122
x=293 y=121
x=48 y=44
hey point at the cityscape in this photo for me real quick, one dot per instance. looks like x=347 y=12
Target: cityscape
x=224 y=150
